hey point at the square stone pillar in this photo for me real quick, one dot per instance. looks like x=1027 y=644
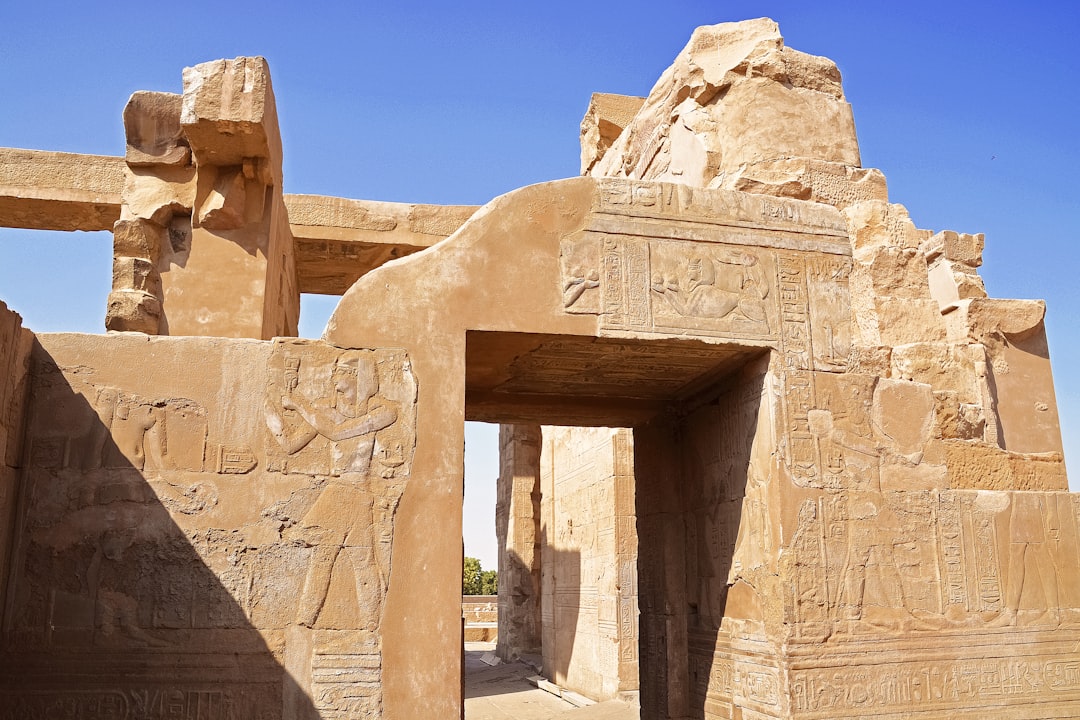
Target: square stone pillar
x=517 y=524
x=203 y=245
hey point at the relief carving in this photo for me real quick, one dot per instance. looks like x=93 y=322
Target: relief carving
x=668 y=286
x=346 y=419
x=931 y=561
x=722 y=285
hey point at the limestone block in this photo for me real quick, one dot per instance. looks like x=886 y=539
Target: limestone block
x=874 y=222
x=135 y=273
x=982 y=319
x=903 y=414
x=159 y=192
x=133 y=311
x=894 y=272
x=224 y=206
x=872 y=361
x=943 y=366
x=964 y=248
x=979 y=466
x=42 y=190
x=888 y=321
x=228 y=112
x=603 y=123
x=735 y=95
x=807 y=179
x=152 y=130
x=140 y=238
x=956 y=420
x=951 y=282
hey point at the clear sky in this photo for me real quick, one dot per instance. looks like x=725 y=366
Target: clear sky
x=970 y=109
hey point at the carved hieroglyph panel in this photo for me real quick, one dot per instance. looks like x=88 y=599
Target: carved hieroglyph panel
x=346 y=417
x=917 y=562
x=131 y=554
x=796 y=301
x=167 y=557
x=670 y=287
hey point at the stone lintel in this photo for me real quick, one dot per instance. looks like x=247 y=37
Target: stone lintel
x=336 y=240
x=42 y=190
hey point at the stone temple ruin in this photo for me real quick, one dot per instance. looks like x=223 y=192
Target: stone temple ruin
x=838 y=492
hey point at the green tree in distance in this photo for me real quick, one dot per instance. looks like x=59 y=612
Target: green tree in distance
x=477 y=581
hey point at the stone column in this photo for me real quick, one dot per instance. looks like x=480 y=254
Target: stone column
x=15 y=346
x=517 y=524
x=626 y=550
x=203 y=245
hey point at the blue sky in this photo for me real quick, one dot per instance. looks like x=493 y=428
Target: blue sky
x=970 y=110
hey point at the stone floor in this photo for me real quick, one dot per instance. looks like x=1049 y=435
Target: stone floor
x=502 y=693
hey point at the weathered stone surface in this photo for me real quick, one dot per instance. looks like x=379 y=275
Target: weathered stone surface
x=231 y=99
x=338 y=240
x=335 y=240
x=152 y=130
x=808 y=179
x=586 y=510
x=15 y=348
x=518 y=532
x=253 y=536
x=734 y=96
x=843 y=494
x=604 y=121
x=42 y=190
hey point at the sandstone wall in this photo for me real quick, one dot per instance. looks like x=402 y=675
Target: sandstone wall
x=588 y=577
x=517 y=528
x=213 y=543
x=15 y=346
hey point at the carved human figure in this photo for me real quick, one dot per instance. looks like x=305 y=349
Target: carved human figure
x=576 y=286
x=341 y=525
x=752 y=542
x=738 y=291
x=127 y=419
x=1029 y=558
x=873 y=531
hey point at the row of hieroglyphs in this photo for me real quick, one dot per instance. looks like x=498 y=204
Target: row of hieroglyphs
x=154 y=524
x=933 y=561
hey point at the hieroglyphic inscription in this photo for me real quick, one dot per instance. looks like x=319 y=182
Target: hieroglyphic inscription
x=933 y=685
x=951 y=543
x=830 y=314
x=150 y=703
x=626 y=559
x=625 y=283
x=671 y=287
x=796 y=348
x=686 y=203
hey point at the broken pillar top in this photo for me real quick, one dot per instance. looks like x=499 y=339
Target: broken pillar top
x=229 y=114
x=735 y=97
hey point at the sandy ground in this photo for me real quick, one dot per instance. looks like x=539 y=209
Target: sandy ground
x=502 y=693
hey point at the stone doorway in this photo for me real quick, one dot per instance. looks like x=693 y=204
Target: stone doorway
x=569 y=532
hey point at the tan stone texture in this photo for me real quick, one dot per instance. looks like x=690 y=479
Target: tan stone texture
x=59 y=191
x=241 y=517
x=589 y=574
x=734 y=96
x=843 y=492
x=607 y=116
x=519 y=535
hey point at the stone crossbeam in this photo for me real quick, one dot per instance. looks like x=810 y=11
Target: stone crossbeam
x=336 y=240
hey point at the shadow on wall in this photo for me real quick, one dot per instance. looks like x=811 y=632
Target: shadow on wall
x=569 y=657
x=703 y=541
x=112 y=609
